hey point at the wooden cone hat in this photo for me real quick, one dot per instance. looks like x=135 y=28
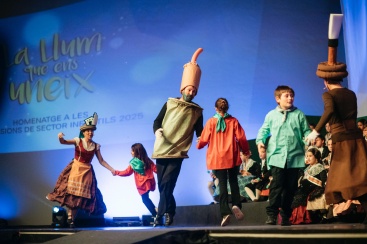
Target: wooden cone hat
x=192 y=72
x=331 y=69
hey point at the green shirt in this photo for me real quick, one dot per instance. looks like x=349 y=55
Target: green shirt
x=287 y=131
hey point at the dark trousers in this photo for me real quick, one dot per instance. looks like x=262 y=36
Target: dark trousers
x=148 y=203
x=231 y=175
x=282 y=189
x=168 y=170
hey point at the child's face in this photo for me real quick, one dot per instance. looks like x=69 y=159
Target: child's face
x=244 y=157
x=360 y=125
x=262 y=153
x=319 y=142
x=310 y=158
x=327 y=127
x=365 y=131
x=285 y=100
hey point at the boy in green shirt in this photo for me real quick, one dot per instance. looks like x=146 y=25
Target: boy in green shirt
x=286 y=126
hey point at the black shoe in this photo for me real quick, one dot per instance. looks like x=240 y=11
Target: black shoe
x=285 y=222
x=168 y=219
x=271 y=221
x=158 y=221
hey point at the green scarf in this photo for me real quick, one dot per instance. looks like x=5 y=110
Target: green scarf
x=221 y=124
x=137 y=165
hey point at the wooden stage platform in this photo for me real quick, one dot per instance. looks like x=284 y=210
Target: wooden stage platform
x=194 y=224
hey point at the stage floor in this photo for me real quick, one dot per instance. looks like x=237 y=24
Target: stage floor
x=313 y=233
x=192 y=224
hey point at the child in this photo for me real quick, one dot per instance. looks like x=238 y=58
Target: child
x=225 y=139
x=310 y=191
x=285 y=152
x=142 y=167
x=249 y=170
x=254 y=188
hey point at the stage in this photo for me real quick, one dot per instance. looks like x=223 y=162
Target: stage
x=194 y=224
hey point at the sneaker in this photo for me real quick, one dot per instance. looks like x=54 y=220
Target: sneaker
x=237 y=213
x=271 y=221
x=225 y=220
x=158 y=221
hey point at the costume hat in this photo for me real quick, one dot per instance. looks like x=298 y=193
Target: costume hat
x=331 y=69
x=90 y=124
x=192 y=72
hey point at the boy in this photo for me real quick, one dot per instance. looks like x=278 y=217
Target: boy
x=285 y=152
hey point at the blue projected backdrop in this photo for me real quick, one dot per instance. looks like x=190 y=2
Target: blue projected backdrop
x=123 y=60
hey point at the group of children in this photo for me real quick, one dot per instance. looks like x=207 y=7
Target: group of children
x=281 y=145
x=298 y=178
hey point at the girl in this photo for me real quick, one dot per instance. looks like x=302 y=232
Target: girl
x=142 y=167
x=311 y=188
x=225 y=139
x=249 y=170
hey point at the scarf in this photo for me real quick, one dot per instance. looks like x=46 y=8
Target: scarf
x=311 y=171
x=137 y=165
x=285 y=111
x=221 y=124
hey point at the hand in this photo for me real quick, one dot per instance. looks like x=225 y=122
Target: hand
x=113 y=172
x=158 y=133
x=311 y=137
x=255 y=181
x=198 y=139
x=60 y=135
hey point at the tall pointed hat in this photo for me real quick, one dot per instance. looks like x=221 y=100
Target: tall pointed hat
x=192 y=72
x=331 y=69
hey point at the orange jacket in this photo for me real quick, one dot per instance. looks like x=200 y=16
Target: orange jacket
x=223 y=147
x=143 y=183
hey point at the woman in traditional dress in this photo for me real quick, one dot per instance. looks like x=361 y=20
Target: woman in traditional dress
x=76 y=187
x=349 y=158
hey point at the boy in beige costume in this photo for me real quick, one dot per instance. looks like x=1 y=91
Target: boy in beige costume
x=174 y=129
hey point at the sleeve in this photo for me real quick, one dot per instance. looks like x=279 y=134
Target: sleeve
x=158 y=121
x=264 y=131
x=154 y=167
x=241 y=138
x=305 y=128
x=323 y=177
x=199 y=125
x=328 y=111
x=98 y=147
x=255 y=169
x=128 y=171
x=205 y=135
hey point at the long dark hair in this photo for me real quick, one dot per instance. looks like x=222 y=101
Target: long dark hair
x=141 y=153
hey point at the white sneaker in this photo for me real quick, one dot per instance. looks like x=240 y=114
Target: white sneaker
x=225 y=220
x=237 y=213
